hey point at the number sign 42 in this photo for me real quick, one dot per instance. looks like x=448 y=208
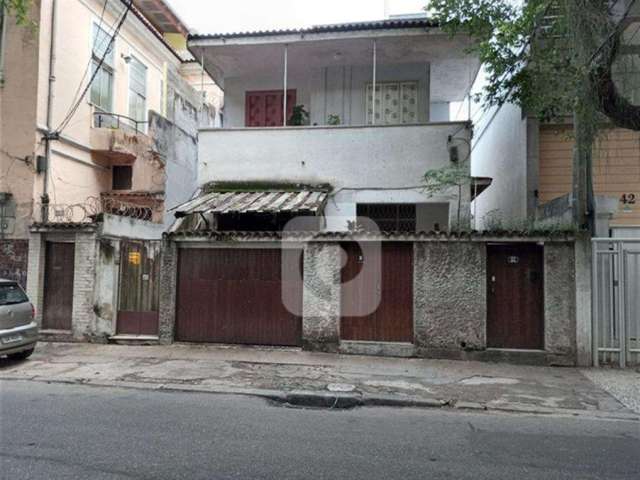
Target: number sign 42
x=628 y=198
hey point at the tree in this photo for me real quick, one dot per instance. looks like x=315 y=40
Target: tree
x=18 y=8
x=553 y=58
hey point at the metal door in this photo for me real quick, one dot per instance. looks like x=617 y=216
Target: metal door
x=58 y=286
x=616 y=301
x=515 y=304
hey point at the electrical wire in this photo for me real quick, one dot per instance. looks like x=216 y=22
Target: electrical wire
x=100 y=22
x=76 y=105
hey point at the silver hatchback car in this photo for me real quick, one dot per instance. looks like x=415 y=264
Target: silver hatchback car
x=18 y=330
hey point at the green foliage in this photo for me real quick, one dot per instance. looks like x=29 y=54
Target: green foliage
x=19 y=9
x=300 y=116
x=439 y=180
x=495 y=222
x=536 y=55
x=333 y=119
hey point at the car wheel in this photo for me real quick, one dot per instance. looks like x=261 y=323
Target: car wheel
x=23 y=355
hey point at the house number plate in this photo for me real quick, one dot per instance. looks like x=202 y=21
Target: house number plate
x=513 y=259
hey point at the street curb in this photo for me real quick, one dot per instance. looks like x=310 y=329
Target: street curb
x=338 y=401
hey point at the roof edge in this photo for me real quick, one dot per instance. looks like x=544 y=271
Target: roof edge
x=390 y=24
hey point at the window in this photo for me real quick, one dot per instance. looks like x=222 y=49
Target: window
x=102 y=86
x=137 y=91
x=121 y=177
x=396 y=103
x=11 y=294
x=390 y=217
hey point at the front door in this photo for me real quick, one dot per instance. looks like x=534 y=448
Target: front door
x=139 y=289
x=515 y=306
x=264 y=108
x=391 y=285
x=58 y=286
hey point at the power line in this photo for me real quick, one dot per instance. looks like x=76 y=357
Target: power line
x=86 y=70
x=75 y=106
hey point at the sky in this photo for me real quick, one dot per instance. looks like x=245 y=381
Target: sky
x=224 y=16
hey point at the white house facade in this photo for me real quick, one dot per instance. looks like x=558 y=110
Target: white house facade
x=367 y=152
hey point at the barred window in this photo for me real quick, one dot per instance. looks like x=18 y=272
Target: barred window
x=390 y=217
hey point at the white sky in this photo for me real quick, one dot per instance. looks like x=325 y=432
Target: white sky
x=223 y=16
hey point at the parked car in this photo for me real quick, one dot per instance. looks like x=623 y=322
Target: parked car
x=18 y=329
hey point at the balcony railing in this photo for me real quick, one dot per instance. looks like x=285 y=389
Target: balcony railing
x=116 y=121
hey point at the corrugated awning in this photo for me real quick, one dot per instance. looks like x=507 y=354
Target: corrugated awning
x=254 y=202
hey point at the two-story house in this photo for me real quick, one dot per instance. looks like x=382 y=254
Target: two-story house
x=98 y=133
x=354 y=114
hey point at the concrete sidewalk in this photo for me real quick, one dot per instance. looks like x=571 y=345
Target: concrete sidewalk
x=317 y=379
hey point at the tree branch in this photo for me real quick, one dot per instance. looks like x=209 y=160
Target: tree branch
x=610 y=102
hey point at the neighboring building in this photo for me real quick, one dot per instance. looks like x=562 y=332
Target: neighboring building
x=119 y=157
x=531 y=163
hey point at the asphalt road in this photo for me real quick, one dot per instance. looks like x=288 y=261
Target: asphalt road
x=80 y=432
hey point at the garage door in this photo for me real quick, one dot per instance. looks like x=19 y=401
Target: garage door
x=235 y=296
x=392 y=283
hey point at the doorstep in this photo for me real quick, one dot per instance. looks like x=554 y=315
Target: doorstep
x=50 y=335
x=126 y=339
x=379 y=349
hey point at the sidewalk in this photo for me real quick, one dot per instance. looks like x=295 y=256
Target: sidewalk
x=317 y=379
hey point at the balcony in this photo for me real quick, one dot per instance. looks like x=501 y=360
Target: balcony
x=117 y=139
x=346 y=157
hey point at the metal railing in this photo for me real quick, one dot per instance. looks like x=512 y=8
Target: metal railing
x=103 y=119
x=616 y=301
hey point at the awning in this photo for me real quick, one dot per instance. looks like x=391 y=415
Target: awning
x=254 y=202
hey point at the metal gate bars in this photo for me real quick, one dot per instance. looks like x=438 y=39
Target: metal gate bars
x=616 y=301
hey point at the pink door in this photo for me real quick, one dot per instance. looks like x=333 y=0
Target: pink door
x=264 y=108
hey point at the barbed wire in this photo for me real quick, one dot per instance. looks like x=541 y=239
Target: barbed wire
x=89 y=210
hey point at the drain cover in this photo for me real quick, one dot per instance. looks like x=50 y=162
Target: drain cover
x=340 y=387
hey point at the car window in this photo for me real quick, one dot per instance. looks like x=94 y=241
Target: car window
x=11 y=293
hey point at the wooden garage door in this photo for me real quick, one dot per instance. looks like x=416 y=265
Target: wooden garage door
x=235 y=296
x=392 y=321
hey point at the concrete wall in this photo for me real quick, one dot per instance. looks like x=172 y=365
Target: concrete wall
x=321 y=297
x=450 y=297
x=18 y=91
x=449 y=307
x=500 y=153
x=179 y=149
x=363 y=164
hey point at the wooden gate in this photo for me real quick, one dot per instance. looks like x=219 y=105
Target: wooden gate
x=58 y=286
x=515 y=305
x=138 y=298
x=392 y=321
x=235 y=296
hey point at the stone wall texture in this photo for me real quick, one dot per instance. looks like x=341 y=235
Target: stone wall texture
x=321 y=297
x=13 y=260
x=168 y=289
x=560 y=298
x=83 y=285
x=449 y=296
